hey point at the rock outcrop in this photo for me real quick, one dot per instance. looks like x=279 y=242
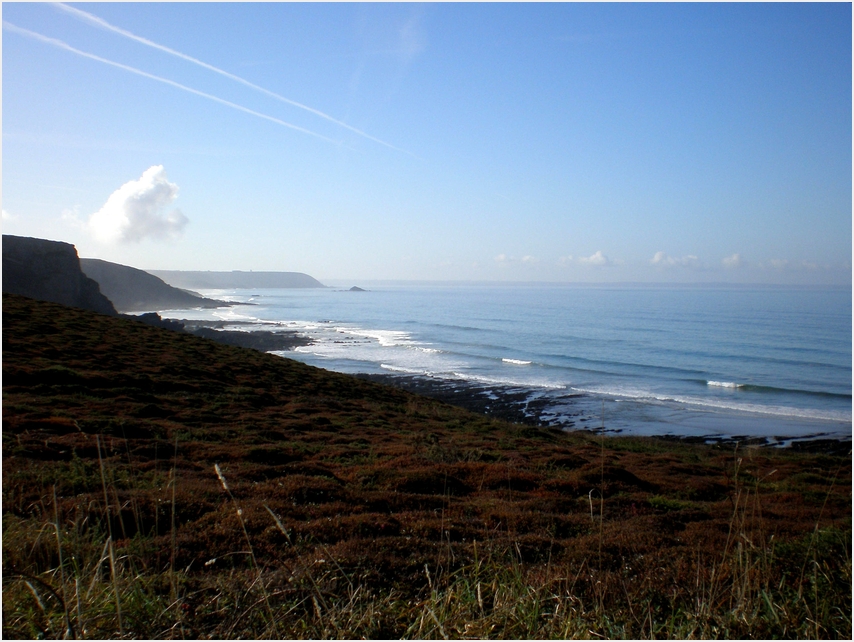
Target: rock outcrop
x=133 y=290
x=50 y=271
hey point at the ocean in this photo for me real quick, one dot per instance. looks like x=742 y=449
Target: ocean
x=687 y=361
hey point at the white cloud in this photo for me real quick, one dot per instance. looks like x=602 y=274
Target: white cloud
x=598 y=259
x=733 y=261
x=663 y=260
x=135 y=211
x=530 y=260
x=503 y=258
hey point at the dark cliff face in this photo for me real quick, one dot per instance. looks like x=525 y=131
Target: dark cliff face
x=50 y=271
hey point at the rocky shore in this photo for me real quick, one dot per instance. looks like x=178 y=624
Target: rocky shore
x=502 y=402
x=263 y=340
x=517 y=405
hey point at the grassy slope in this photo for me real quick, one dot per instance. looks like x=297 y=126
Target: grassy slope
x=397 y=515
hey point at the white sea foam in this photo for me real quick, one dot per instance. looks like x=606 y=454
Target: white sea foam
x=386 y=366
x=502 y=381
x=352 y=348
x=517 y=362
x=724 y=384
x=386 y=338
x=646 y=396
x=777 y=411
x=230 y=314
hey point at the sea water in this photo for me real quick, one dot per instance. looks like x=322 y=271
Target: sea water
x=711 y=361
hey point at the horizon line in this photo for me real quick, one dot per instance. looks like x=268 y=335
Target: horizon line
x=467 y=282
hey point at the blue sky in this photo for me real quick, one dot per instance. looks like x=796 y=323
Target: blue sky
x=519 y=142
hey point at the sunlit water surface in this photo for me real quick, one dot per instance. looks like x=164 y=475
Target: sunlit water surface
x=689 y=361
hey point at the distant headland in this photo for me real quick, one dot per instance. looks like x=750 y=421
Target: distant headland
x=133 y=290
x=236 y=279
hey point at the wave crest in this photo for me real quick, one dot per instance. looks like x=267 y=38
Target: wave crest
x=724 y=384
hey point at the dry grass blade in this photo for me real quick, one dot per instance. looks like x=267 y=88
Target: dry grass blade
x=239 y=512
x=69 y=628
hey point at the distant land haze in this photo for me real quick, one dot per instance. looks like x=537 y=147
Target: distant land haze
x=236 y=279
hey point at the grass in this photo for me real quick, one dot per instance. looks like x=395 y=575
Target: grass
x=162 y=486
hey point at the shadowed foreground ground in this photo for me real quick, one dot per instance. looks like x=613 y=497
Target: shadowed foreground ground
x=344 y=508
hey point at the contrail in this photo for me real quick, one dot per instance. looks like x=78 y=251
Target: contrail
x=100 y=22
x=145 y=74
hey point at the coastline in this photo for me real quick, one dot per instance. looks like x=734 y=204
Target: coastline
x=263 y=340
x=517 y=405
x=728 y=373
x=571 y=410
x=509 y=403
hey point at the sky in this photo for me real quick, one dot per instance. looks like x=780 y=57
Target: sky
x=444 y=142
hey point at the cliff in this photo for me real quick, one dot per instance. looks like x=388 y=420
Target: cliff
x=133 y=290
x=236 y=279
x=50 y=271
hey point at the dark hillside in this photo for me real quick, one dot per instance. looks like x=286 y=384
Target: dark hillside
x=133 y=290
x=356 y=510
